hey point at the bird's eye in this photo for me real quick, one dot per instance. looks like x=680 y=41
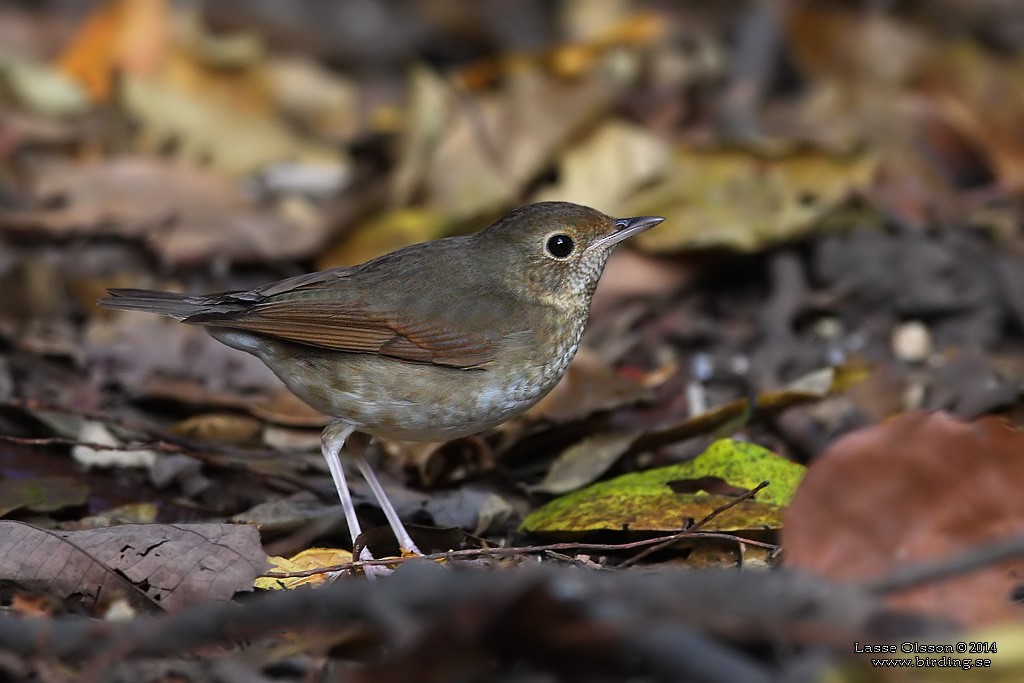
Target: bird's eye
x=560 y=246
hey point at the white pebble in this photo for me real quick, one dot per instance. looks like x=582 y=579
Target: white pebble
x=912 y=342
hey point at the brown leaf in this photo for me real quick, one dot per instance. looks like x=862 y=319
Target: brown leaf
x=584 y=461
x=590 y=386
x=609 y=166
x=187 y=214
x=229 y=428
x=170 y=565
x=495 y=144
x=161 y=358
x=118 y=37
x=630 y=275
x=922 y=486
x=747 y=199
x=961 y=78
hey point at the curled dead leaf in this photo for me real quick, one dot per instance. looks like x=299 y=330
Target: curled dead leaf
x=920 y=486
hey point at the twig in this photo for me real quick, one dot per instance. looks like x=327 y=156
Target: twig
x=936 y=570
x=189 y=446
x=512 y=552
x=161 y=446
x=732 y=503
x=697 y=525
x=164 y=442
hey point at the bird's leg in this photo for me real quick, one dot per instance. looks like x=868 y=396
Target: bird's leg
x=331 y=442
x=357 y=449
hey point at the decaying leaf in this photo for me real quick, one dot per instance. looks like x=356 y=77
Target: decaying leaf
x=41 y=89
x=604 y=170
x=745 y=200
x=589 y=386
x=962 y=78
x=311 y=558
x=234 y=142
x=645 y=501
x=220 y=427
x=187 y=214
x=118 y=37
x=585 y=461
x=496 y=143
x=276 y=517
x=164 y=359
x=922 y=486
x=318 y=97
x=41 y=494
x=167 y=565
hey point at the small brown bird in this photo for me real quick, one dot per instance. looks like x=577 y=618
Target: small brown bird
x=431 y=342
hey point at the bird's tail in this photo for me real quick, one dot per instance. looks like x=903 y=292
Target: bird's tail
x=173 y=304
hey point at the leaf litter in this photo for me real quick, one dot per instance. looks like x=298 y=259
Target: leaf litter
x=841 y=194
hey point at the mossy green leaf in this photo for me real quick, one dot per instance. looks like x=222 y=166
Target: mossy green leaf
x=41 y=494
x=644 y=501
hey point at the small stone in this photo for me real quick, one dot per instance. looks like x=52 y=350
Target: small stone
x=828 y=328
x=912 y=342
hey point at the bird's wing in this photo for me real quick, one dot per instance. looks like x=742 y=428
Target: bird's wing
x=347 y=326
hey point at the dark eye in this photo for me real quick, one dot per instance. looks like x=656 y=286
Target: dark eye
x=560 y=246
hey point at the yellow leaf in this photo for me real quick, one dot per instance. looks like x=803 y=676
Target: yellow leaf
x=311 y=558
x=744 y=200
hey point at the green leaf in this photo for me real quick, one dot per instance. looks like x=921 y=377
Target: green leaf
x=645 y=501
x=41 y=494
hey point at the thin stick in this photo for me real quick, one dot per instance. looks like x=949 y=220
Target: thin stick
x=527 y=550
x=697 y=525
x=955 y=565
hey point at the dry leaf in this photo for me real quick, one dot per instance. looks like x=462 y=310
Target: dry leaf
x=41 y=89
x=920 y=487
x=231 y=428
x=185 y=213
x=120 y=37
x=170 y=565
x=589 y=386
x=385 y=233
x=744 y=200
x=233 y=142
x=496 y=143
x=585 y=461
x=41 y=494
x=608 y=167
x=311 y=558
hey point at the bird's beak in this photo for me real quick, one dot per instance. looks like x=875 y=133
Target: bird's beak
x=625 y=228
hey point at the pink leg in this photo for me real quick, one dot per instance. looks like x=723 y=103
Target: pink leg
x=332 y=440
x=405 y=541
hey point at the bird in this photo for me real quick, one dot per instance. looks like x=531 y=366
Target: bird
x=431 y=342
